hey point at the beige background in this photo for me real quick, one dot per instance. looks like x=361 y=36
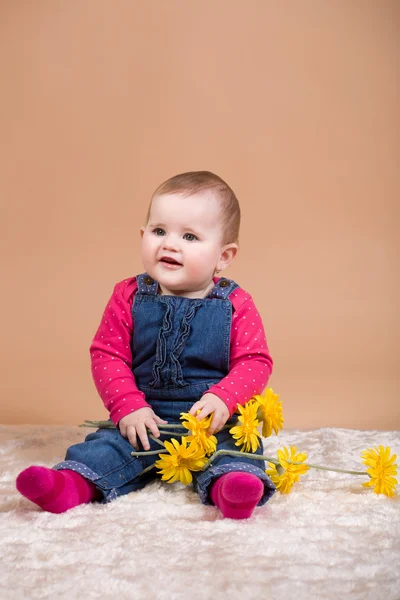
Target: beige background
x=295 y=104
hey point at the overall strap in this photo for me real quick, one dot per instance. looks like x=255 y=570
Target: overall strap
x=146 y=284
x=223 y=288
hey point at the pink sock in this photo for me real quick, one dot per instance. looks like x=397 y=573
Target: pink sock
x=237 y=494
x=55 y=491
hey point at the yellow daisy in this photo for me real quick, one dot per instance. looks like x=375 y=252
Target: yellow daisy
x=247 y=433
x=382 y=470
x=198 y=431
x=269 y=412
x=285 y=475
x=181 y=460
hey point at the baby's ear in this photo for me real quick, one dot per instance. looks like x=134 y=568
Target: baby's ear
x=227 y=255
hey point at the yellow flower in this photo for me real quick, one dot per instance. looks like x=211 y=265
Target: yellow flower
x=247 y=433
x=198 y=430
x=181 y=460
x=382 y=470
x=269 y=412
x=285 y=475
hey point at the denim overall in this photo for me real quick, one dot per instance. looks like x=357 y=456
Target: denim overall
x=180 y=348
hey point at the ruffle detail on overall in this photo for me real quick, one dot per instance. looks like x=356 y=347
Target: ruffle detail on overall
x=161 y=350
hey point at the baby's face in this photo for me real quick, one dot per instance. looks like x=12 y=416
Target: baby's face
x=182 y=243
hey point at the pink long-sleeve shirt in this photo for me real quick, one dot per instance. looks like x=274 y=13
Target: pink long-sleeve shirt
x=250 y=363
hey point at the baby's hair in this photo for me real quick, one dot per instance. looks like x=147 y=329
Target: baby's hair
x=194 y=182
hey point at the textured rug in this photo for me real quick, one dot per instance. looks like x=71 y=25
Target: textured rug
x=329 y=538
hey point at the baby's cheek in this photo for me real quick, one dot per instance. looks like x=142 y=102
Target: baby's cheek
x=198 y=262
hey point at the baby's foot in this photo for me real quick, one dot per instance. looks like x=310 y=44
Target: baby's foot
x=55 y=491
x=237 y=494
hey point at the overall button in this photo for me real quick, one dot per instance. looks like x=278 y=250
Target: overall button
x=223 y=283
x=148 y=280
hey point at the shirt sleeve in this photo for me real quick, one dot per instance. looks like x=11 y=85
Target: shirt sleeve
x=250 y=364
x=111 y=355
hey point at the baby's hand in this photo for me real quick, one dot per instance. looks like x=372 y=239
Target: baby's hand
x=210 y=403
x=134 y=425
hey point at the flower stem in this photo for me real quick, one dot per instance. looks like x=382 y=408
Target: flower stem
x=99 y=424
x=148 y=452
x=166 y=432
x=156 y=440
x=172 y=426
x=237 y=453
x=276 y=462
x=110 y=425
x=146 y=470
x=330 y=469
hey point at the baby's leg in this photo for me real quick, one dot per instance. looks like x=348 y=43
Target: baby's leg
x=100 y=468
x=235 y=484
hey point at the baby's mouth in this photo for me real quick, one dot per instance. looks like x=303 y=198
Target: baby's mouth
x=170 y=261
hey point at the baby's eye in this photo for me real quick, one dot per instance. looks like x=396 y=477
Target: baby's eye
x=159 y=231
x=190 y=237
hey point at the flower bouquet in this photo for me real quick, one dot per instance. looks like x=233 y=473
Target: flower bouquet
x=196 y=450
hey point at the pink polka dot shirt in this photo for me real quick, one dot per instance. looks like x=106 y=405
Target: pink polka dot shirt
x=250 y=363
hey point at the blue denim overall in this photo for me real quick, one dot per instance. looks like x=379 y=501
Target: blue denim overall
x=180 y=348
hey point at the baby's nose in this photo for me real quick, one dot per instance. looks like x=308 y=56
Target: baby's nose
x=171 y=243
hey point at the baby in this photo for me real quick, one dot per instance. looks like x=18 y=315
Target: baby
x=174 y=339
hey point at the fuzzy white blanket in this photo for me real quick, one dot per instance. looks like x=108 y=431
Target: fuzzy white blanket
x=330 y=538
